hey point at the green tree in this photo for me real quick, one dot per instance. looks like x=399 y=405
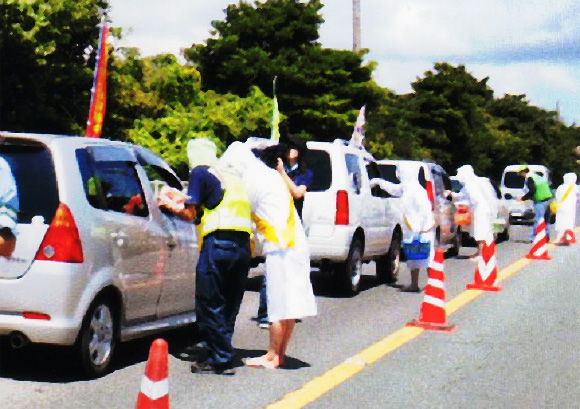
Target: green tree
x=45 y=77
x=319 y=90
x=158 y=103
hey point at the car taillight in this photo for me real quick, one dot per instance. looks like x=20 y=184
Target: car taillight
x=341 y=208
x=61 y=241
x=462 y=209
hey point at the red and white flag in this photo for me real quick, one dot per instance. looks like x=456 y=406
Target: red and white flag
x=99 y=90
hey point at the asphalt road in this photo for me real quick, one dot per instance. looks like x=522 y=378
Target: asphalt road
x=512 y=349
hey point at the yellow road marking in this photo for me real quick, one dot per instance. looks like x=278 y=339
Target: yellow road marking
x=324 y=383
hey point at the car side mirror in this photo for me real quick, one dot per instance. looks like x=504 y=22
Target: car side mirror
x=508 y=196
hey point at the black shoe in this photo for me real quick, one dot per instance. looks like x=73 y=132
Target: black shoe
x=207 y=368
x=197 y=353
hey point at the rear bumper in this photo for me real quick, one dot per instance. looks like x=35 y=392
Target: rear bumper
x=330 y=243
x=525 y=218
x=52 y=289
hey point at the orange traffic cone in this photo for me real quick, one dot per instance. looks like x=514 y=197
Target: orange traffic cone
x=539 y=250
x=567 y=238
x=433 y=315
x=154 y=393
x=485 y=270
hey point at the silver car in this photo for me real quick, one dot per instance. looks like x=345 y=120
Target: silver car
x=96 y=261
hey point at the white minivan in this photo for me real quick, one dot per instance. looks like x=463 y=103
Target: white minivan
x=348 y=223
x=96 y=261
x=513 y=186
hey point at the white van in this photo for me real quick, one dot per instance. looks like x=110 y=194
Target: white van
x=513 y=187
x=346 y=222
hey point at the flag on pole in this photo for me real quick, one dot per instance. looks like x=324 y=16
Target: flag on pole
x=358 y=134
x=275 y=132
x=99 y=90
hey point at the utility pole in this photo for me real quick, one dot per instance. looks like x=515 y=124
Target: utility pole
x=356 y=25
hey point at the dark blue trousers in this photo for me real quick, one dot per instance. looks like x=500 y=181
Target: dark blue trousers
x=221 y=273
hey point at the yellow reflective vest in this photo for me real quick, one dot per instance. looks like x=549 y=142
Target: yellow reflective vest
x=233 y=212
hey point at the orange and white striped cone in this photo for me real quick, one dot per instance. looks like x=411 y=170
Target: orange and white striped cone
x=567 y=238
x=539 y=250
x=154 y=393
x=433 y=315
x=486 y=269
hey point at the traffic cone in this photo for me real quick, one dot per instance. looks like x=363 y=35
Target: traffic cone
x=433 y=315
x=154 y=393
x=539 y=250
x=567 y=238
x=486 y=269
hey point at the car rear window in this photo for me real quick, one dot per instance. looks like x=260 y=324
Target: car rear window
x=513 y=180
x=33 y=170
x=389 y=172
x=318 y=162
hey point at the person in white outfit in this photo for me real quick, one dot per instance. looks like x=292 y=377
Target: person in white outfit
x=419 y=219
x=483 y=210
x=280 y=232
x=565 y=201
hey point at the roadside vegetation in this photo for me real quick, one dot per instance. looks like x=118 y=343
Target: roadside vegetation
x=223 y=90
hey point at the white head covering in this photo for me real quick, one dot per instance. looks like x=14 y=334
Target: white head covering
x=416 y=204
x=570 y=179
x=473 y=186
x=201 y=152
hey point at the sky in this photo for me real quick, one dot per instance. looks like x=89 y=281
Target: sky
x=526 y=47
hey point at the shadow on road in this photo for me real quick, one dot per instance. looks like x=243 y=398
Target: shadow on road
x=38 y=363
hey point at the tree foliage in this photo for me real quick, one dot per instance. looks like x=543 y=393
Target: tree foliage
x=47 y=53
x=46 y=79
x=158 y=103
x=320 y=90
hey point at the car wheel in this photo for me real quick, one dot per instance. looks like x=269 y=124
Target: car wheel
x=98 y=338
x=350 y=272
x=388 y=266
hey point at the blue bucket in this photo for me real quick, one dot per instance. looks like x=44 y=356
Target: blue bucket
x=416 y=249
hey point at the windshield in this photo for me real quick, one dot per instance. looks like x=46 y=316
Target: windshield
x=513 y=180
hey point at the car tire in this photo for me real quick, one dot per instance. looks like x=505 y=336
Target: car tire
x=350 y=272
x=98 y=338
x=389 y=265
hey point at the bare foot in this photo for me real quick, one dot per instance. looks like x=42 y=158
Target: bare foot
x=262 y=362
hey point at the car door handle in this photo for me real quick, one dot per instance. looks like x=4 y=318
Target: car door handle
x=119 y=238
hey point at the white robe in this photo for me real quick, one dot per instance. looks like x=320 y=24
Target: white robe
x=482 y=205
x=566 y=214
x=289 y=289
x=418 y=213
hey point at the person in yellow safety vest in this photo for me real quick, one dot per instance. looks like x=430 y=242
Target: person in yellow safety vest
x=540 y=193
x=219 y=204
x=280 y=232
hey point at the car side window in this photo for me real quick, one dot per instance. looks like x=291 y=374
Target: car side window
x=354 y=171
x=121 y=188
x=112 y=185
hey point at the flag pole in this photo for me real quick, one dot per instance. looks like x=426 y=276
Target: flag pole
x=275 y=132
